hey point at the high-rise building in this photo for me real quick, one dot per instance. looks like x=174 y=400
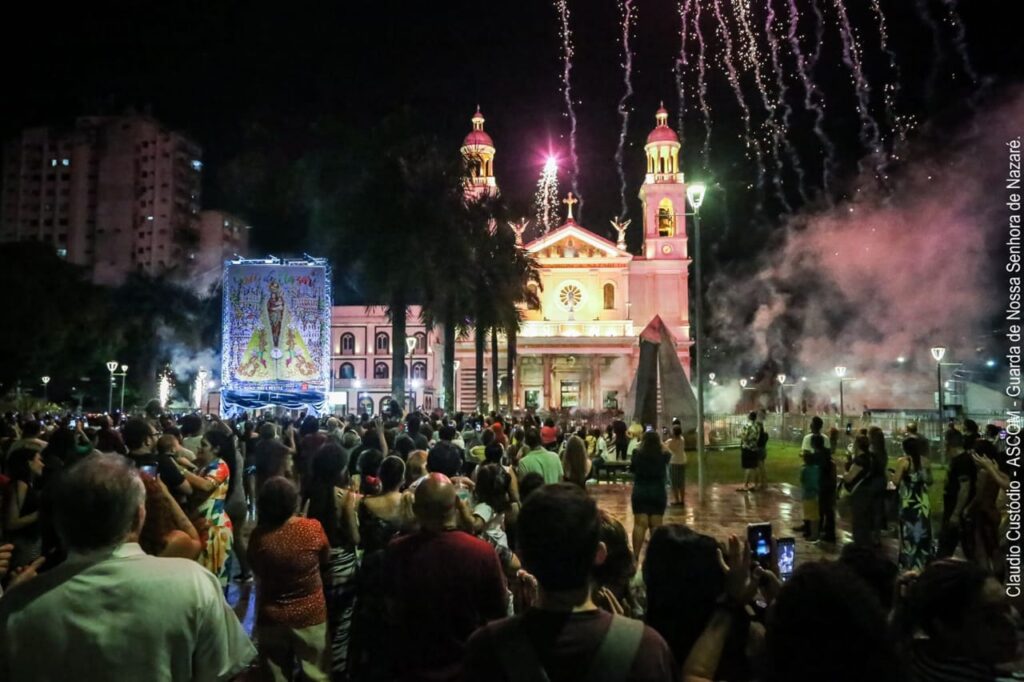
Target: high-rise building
x=222 y=236
x=115 y=194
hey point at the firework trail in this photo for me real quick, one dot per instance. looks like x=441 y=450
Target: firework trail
x=787 y=110
x=933 y=28
x=734 y=81
x=567 y=53
x=890 y=90
x=753 y=59
x=960 y=39
x=702 y=87
x=869 y=131
x=545 y=200
x=812 y=95
x=682 y=63
x=628 y=17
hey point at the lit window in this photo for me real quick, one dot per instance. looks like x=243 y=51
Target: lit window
x=62 y=253
x=53 y=162
x=197 y=165
x=65 y=162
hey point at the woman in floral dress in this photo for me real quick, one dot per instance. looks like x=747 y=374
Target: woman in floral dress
x=912 y=477
x=215 y=461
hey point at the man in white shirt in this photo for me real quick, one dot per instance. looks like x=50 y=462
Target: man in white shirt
x=111 y=612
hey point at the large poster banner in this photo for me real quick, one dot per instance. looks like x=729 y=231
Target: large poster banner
x=276 y=335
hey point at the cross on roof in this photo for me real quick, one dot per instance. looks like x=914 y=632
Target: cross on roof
x=569 y=201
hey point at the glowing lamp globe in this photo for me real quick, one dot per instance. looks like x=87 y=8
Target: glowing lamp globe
x=410 y=343
x=124 y=368
x=938 y=352
x=112 y=366
x=695 y=193
x=455 y=365
x=711 y=376
x=781 y=378
x=840 y=372
x=743 y=383
x=46 y=380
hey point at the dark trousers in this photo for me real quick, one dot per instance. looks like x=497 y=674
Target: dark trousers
x=827 y=509
x=950 y=536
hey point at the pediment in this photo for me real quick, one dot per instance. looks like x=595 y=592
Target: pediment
x=571 y=242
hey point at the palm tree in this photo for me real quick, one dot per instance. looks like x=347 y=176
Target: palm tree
x=395 y=217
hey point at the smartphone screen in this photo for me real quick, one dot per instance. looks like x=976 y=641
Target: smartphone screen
x=787 y=557
x=148 y=470
x=759 y=536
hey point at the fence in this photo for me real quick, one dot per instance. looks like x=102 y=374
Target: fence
x=724 y=430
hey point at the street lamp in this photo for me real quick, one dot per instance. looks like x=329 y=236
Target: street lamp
x=124 y=380
x=200 y=388
x=46 y=394
x=939 y=352
x=841 y=372
x=695 y=193
x=111 y=367
x=781 y=378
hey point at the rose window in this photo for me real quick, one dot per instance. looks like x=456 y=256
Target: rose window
x=570 y=296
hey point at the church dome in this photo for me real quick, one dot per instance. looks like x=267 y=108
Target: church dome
x=661 y=132
x=477 y=137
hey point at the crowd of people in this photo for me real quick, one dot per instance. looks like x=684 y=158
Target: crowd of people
x=423 y=547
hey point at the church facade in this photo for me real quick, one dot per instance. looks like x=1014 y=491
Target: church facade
x=579 y=349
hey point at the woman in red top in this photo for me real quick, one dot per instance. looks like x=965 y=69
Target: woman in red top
x=287 y=553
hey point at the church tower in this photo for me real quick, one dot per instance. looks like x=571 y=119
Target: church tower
x=663 y=194
x=478 y=151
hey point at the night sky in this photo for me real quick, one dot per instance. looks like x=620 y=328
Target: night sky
x=220 y=70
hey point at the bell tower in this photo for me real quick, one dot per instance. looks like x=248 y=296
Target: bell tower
x=478 y=152
x=663 y=194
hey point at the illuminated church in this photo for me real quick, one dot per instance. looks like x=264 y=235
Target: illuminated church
x=579 y=348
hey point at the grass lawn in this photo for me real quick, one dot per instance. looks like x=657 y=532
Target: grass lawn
x=784 y=467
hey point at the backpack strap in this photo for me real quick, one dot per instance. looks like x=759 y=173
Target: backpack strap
x=516 y=656
x=614 y=658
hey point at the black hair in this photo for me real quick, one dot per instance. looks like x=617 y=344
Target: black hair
x=368 y=465
x=225 y=445
x=327 y=471
x=492 y=486
x=619 y=565
x=392 y=473
x=529 y=483
x=18 y=464
x=873 y=567
x=684 y=580
x=404 y=445
x=912 y=447
x=191 y=425
x=943 y=594
x=136 y=432
x=817 y=614
x=277 y=502
x=446 y=432
x=31 y=428
x=558 y=531
x=532 y=438
x=816 y=424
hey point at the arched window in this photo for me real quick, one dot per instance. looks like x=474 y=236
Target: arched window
x=534 y=299
x=666 y=219
x=421 y=342
x=383 y=343
x=609 y=296
x=419 y=370
x=346 y=371
x=348 y=343
x=385 y=404
x=380 y=371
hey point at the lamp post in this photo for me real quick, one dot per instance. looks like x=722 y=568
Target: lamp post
x=841 y=372
x=695 y=193
x=782 y=404
x=939 y=352
x=124 y=379
x=200 y=389
x=46 y=392
x=111 y=367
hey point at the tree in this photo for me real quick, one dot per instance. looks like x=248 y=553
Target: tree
x=397 y=214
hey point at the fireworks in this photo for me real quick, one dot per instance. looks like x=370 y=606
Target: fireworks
x=546 y=198
x=565 y=32
x=628 y=17
x=164 y=389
